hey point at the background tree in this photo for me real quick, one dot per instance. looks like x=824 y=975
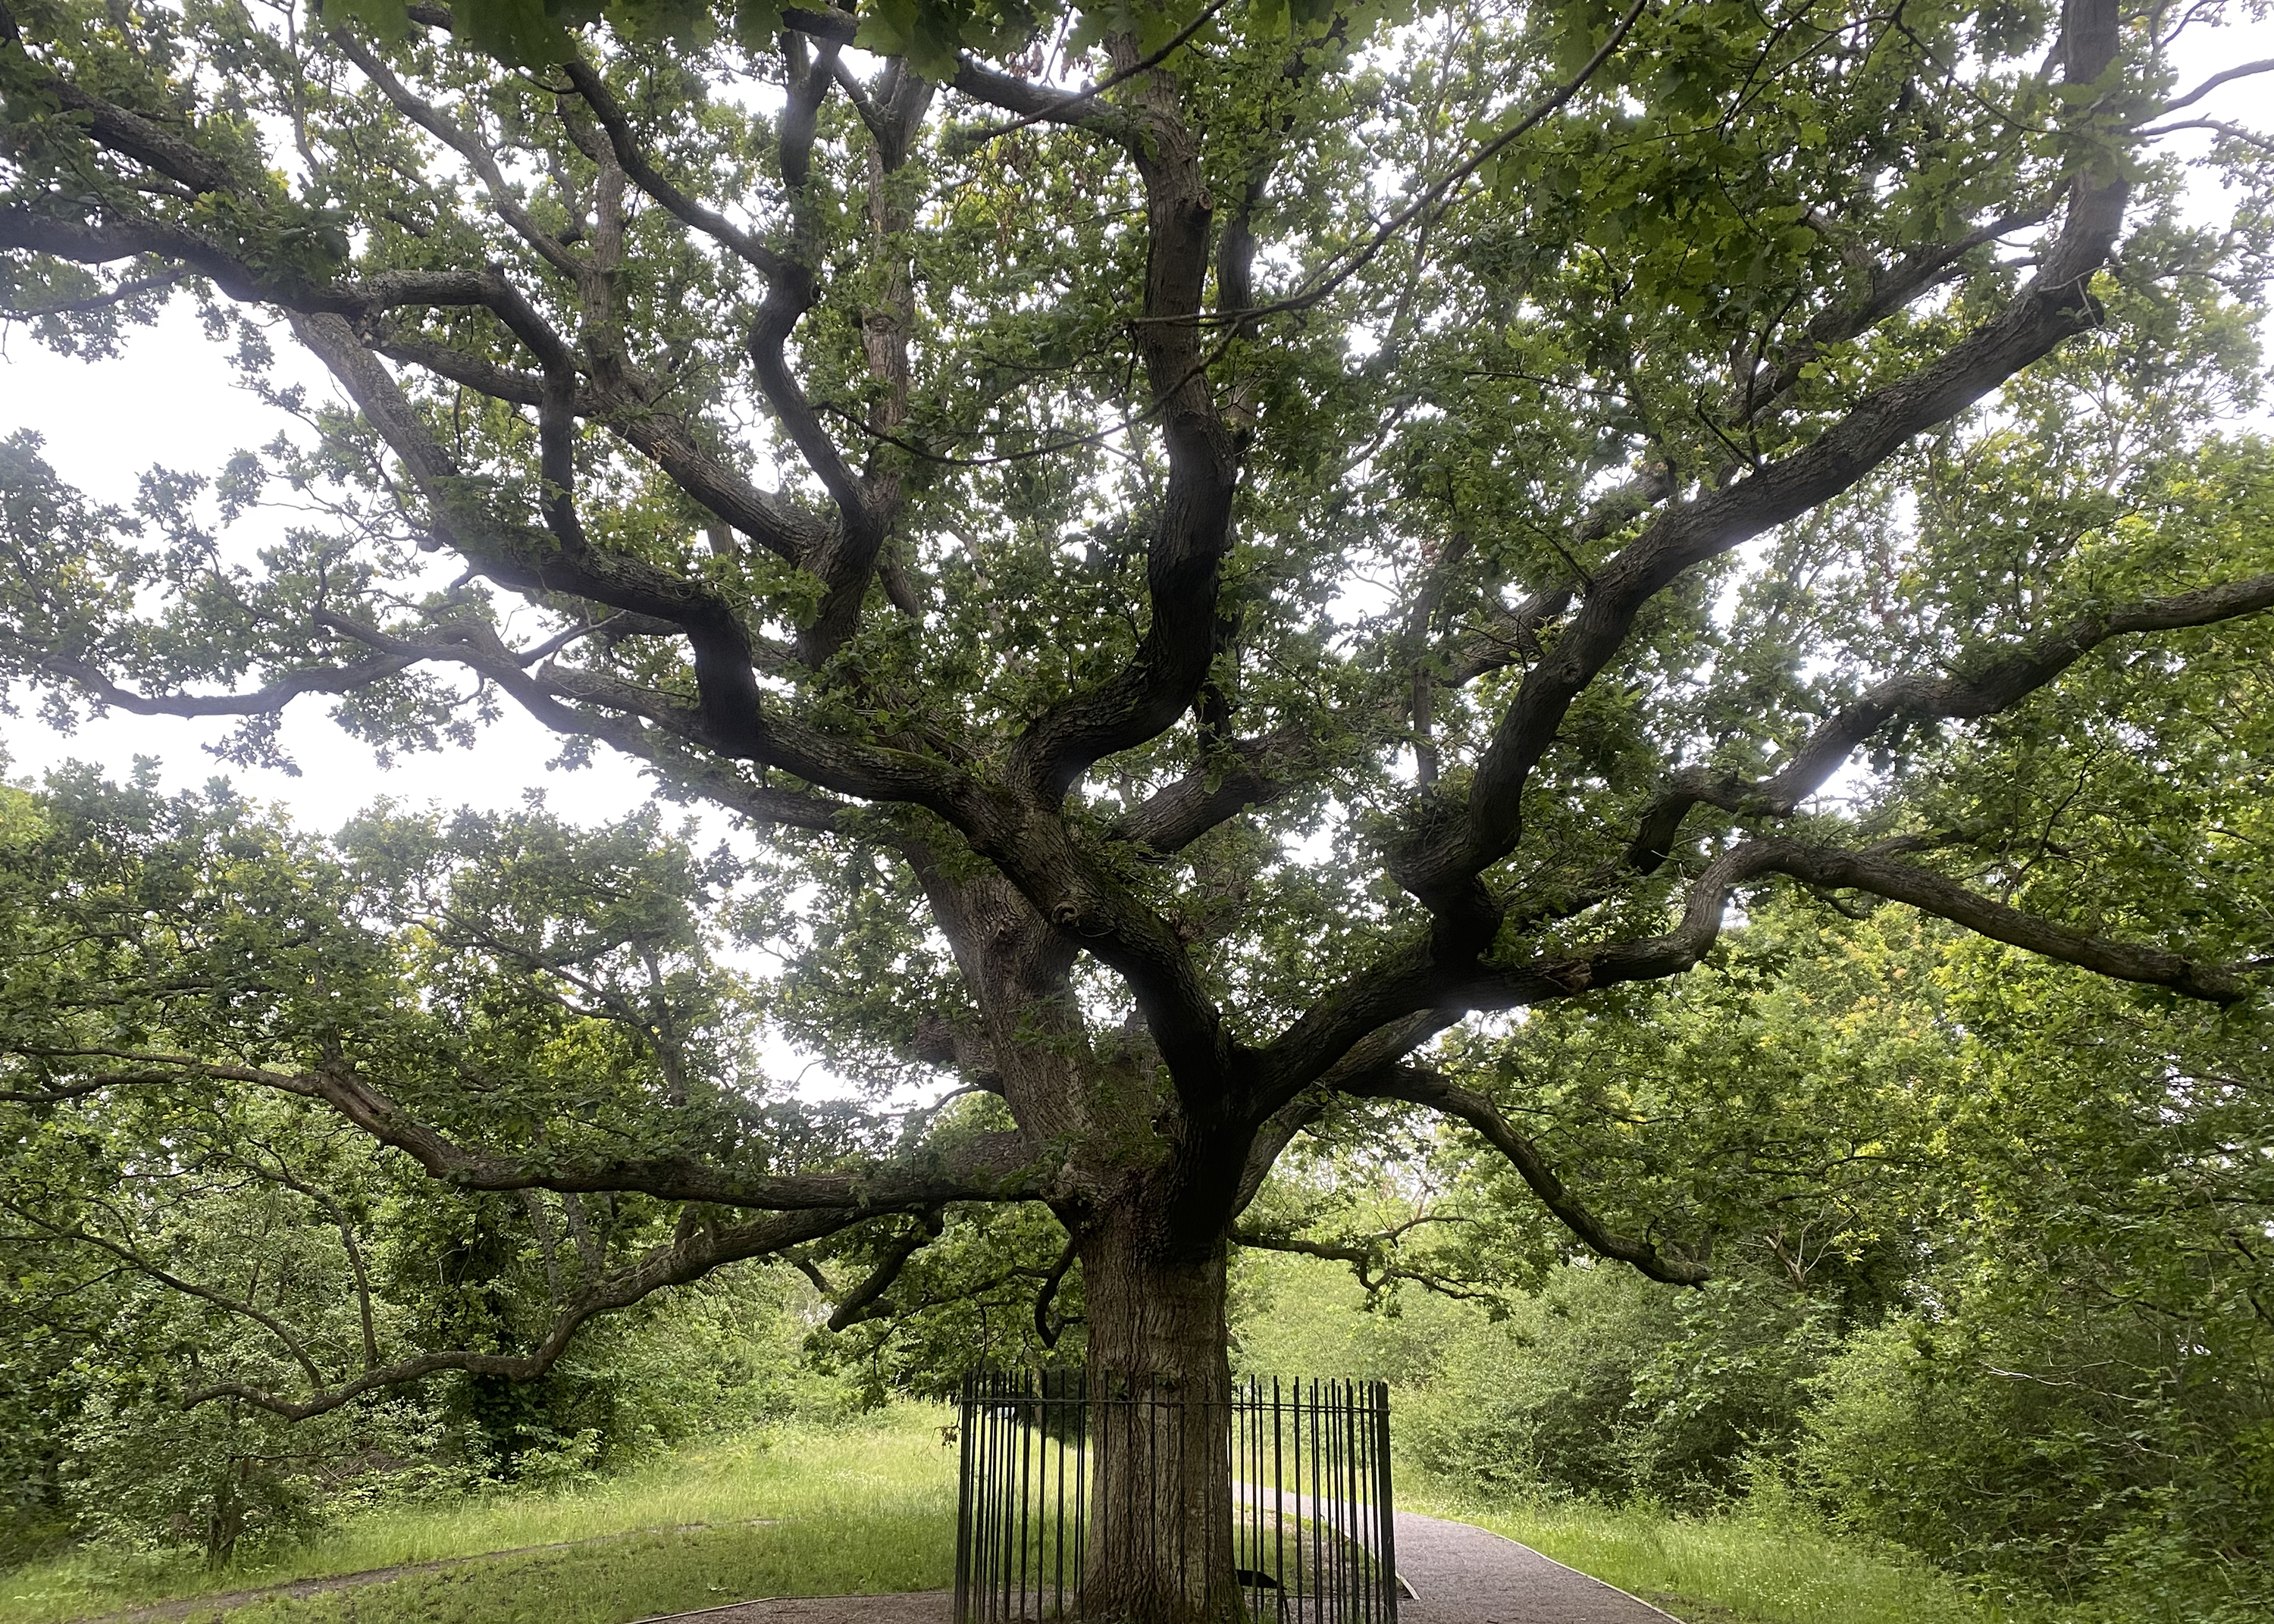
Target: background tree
x=170 y=1256
x=1215 y=588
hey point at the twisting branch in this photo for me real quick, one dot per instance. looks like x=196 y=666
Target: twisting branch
x=1373 y=1257
x=689 y=1256
x=1358 y=258
x=134 y=287
x=1185 y=556
x=992 y=1166
x=2217 y=127
x=263 y=701
x=133 y=1259
x=471 y=372
x=1056 y=109
x=1763 y=386
x=794 y=288
x=865 y=1301
x=1932 y=893
x=688 y=211
x=1244 y=773
x=2055 y=304
x=2226 y=76
x=1047 y=1328
x=1875 y=871
x=325 y=1201
x=587 y=704
x=1994 y=689
x=1420 y=1086
x=1447 y=849
x=1506 y=637
x=128 y=134
x=468 y=145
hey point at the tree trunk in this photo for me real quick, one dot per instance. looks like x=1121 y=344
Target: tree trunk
x=1160 y=1381
x=225 y=1521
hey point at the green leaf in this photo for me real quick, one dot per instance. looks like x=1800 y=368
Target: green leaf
x=523 y=33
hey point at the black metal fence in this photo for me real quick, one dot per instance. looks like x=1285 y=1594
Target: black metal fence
x=1072 y=1501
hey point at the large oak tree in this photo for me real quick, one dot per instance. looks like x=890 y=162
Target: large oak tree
x=1224 y=554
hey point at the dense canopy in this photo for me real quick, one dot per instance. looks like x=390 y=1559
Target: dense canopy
x=1229 y=560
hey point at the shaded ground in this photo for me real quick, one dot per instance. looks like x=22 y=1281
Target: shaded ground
x=1454 y=1573
x=161 y=1612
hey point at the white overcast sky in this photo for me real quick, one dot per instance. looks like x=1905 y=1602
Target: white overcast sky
x=171 y=398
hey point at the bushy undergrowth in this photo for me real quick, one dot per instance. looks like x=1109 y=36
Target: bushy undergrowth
x=849 y=1505
x=113 y=1468
x=1756 y=1563
x=1604 y=1387
x=2131 y=1476
x=2049 y=1456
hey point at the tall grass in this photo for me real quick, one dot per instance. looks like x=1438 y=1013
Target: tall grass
x=867 y=1507
x=863 y=1507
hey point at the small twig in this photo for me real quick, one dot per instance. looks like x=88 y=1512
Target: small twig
x=1074 y=99
x=2219 y=126
x=1429 y=198
x=2246 y=71
x=97 y=301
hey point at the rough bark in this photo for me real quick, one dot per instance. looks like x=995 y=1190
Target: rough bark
x=1161 y=1386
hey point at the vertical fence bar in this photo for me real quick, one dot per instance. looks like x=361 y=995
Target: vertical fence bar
x=1279 y=1499
x=1384 y=1496
x=1354 y=1552
x=1023 y=1440
x=1318 y=1495
x=1338 y=1549
x=983 y=1457
x=1005 y=1452
x=1029 y=1533
x=1256 y=1483
x=1331 y=1503
x=995 y=1496
x=1291 y=1528
x=1346 y=1497
x=1361 y=1537
x=963 y=1504
x=1384 y=1540
x=1361 y=1547
x=982 y=1565
x=1256 y=1488
x=1056 y=1434
x=1323 y=1467
x=982 y=1512
x=1080 y=1488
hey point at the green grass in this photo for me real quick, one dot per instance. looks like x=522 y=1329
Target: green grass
x=867 y=1507
x=1732 y=1569
x=858 y=1507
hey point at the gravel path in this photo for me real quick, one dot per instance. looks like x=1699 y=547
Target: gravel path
x=1454 y=1573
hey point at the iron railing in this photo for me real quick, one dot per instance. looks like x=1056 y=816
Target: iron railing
x=1300 y=1492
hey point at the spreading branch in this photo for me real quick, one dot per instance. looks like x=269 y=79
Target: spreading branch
x=1420 y=1086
